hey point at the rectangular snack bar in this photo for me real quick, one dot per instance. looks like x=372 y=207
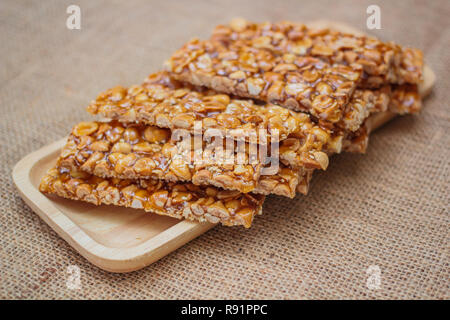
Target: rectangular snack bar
x=166 y=103
x=307 y=139
x=143 y=157
x=182 y=200
x=142 y=152
x=267 y=117
x=382 y=62
x=301 y=83
x=134 y=151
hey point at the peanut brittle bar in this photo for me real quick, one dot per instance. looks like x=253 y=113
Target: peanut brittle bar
x=362 y=103
x=136 y=151
x=301 y=83
x=167 y=103
x=162 y=102
x=133 y=151
x=382 y=62
x=158 y=102
x=182 y=200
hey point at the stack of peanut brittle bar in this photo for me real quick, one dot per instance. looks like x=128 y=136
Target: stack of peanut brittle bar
x=252 y=111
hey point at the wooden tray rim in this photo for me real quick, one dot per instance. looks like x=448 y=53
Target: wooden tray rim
x=108 y=258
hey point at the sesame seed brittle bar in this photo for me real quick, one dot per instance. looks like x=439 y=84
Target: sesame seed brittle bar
x=182 y=200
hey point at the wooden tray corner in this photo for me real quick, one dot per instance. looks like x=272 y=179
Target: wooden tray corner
x=113 y=238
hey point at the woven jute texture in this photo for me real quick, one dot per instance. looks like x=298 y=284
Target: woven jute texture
x=388 y=209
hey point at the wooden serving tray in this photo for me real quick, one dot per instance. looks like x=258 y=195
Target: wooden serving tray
x=113 y=238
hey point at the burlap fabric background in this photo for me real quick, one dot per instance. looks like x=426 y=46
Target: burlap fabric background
x=388 y=208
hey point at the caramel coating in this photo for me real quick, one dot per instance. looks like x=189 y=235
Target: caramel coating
x=382 y=62
x=150 y=153
x=245 y=70
x=178 y=200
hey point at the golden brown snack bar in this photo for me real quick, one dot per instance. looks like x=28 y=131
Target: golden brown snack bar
x=141 y=157
x=182 y=200
x=301 y=83
x=133 y=151
x=160 y=101
x=142 y=152
x=382 y=62
x=167 y=103
x=363 y=103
